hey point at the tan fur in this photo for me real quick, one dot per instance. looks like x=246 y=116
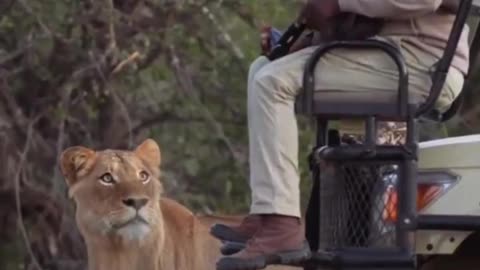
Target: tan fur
x=173 y=238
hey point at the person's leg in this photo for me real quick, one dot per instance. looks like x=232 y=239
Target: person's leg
x=250 y=224
x=273 y=164
x=365 y=74
x=273 y=137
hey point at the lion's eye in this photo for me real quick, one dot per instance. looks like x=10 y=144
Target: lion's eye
x=107 y=179
x=144 y=176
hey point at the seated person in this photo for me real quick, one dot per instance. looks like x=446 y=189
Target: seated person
x=420 y=28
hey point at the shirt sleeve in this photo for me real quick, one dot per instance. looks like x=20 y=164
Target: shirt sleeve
x=395 y=9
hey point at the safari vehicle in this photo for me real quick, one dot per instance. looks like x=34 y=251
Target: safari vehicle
x=390 y=206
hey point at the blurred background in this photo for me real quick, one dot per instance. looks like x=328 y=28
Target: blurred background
x=108 y=74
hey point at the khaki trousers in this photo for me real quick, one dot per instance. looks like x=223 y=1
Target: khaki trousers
x=272 y=88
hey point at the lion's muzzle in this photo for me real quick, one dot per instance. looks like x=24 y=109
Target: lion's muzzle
x=136 y=203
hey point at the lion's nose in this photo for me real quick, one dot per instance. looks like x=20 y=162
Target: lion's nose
x=136 y=203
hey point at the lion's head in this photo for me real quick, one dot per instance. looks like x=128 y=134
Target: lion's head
x=116 y=192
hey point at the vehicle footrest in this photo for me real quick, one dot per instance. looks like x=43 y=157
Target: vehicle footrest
x=359 y=258
x=448 y=222
x=363 y=152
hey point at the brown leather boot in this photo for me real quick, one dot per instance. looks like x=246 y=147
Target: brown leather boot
x=280 y=240
x=241 y=233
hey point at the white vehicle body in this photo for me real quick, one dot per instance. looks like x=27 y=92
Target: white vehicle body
x=461 y=157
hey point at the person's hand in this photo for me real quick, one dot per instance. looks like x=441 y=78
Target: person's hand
x=301 y=43
x=315 y=13
x=265 y=39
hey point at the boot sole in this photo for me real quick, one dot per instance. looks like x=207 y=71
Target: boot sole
x=230 y=248
x=293 y=257
x=224 y=233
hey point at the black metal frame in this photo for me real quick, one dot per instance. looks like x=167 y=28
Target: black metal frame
x=390 y=50
x=329 y=148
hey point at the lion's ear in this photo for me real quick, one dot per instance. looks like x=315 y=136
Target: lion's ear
x=75 y=162
x=149 y=151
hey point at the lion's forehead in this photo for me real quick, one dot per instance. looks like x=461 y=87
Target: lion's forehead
x=119 y=162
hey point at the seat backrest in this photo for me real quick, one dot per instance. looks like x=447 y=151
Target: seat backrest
x=465 y=9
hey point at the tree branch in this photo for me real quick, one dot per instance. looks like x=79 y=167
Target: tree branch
x=21 y=224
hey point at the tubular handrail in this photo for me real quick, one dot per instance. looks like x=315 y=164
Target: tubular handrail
x=473 y=54
x=390 y=50
x=440 y=74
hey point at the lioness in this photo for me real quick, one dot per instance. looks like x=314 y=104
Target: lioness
x=125 y=221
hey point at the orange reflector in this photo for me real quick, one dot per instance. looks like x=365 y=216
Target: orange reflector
x=426 y=193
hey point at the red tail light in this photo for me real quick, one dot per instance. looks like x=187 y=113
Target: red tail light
x=431 y=185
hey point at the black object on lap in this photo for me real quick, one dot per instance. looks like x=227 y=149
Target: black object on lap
x=282 y=45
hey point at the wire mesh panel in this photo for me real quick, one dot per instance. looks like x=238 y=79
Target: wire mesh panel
x=357 y=209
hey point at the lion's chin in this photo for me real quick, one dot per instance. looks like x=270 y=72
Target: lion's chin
x=133 y=231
